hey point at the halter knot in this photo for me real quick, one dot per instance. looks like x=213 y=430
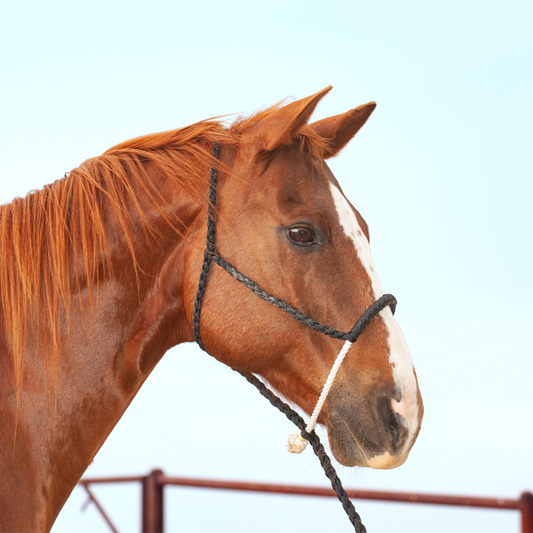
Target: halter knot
x=296 y=443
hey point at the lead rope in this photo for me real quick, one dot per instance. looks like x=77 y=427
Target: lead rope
x=318 y=448
x=296 y=443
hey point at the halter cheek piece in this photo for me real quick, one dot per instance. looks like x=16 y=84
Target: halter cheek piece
x=298 y=442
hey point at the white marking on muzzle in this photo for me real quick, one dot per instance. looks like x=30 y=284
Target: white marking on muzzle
x=399 y=356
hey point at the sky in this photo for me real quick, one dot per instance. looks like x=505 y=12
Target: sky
x=442 y=173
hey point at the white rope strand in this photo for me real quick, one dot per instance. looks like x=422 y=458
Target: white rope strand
x=327 y=386
x=296 y=443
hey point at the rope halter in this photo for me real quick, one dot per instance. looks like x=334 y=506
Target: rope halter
x=297 y=442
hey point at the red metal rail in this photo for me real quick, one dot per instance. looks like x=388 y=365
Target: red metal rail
x=154 y=483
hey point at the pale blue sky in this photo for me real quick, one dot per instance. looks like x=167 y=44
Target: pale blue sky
x=442 y=173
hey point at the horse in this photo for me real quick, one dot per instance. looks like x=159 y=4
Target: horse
x=98 y=279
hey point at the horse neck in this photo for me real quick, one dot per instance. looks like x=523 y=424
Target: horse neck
x=114 y=340
x=145 y=291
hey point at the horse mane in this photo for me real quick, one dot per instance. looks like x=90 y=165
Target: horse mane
x=53 y=237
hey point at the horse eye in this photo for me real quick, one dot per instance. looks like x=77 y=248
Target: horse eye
x=302 y=235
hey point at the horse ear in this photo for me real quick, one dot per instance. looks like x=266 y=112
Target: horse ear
x=281 y=126
x=339 y=130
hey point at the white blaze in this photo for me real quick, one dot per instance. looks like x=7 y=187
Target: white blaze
x=399 y=356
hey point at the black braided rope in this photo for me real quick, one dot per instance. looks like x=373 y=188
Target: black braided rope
x=211 y=255
x=352 y=335
x=209 y=250
x=318 y=448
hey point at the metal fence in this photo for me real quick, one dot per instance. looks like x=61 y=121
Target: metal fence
x=153 y=501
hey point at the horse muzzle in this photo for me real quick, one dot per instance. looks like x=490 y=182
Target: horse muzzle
x=369 y=433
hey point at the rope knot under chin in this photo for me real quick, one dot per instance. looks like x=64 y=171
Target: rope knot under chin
x=296 y=443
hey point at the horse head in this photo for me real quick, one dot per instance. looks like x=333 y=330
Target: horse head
x=284 y=222
x=98 y=279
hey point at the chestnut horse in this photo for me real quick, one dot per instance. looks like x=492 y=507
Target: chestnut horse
x=98 y=276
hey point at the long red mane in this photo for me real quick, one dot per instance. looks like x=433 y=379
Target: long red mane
x=54 y=240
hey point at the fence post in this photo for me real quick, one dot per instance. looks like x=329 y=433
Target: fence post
x=152 y=503
x=526 y=512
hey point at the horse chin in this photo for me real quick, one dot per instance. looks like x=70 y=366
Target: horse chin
x=347 y=453
x=350 y=451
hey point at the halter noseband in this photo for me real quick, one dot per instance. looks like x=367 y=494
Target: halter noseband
x=296 y=443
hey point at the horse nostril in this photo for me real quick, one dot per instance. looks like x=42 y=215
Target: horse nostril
x=392 y=422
